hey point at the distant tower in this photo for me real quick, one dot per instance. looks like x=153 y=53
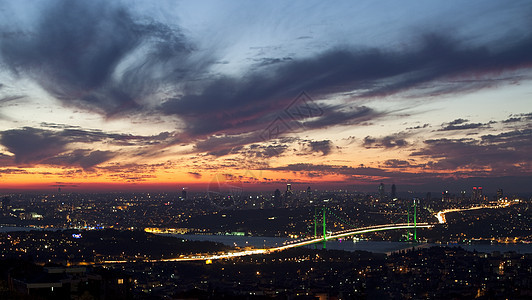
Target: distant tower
x=500 y=194
x=277 y=197
x=309 y=192
x=477 y=193
x=393 y=192
x=184 y=194
x=429 y=196
x=288 y=192
x=381 y=191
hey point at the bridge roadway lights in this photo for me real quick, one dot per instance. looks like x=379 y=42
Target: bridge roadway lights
x=332 y=236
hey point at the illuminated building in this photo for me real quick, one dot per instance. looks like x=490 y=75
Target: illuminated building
x=477 y=193
x=381 y=191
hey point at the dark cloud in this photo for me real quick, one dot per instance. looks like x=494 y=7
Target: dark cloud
x=396 y=163
x=512 y=139
x=247 y=146
x=220 y=145
x=518 y=118
x=461 y=124
x=134 y=168
x=458 y=121
x=270 y=61
x=13 y=171
x=31 y=145
x=195 y=175
x=38 y=146
x=512 y=120
x=391 y=141
x=81 y=135
x=502 y=154
x=85 y=159
x=422 y=180
x=324 y=146
x=42 y=146
x=232 y=103
x=98 y=55
x=6 y=160
x=76 y=47
x=87 y=136
x=340 y=116
x=264 y=151
x=419 y=126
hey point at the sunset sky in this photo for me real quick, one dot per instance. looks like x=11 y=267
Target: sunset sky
x=429 y=95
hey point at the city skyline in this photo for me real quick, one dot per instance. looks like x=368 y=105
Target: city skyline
x=140 y=95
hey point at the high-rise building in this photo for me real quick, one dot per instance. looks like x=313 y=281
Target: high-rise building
x=184 y=194
x=500 y=194
x=277 y=194
x=309 y=193
x=381 y=191
x=277 y=198
x=288 y=193
x=394 y=196
x=477 y=193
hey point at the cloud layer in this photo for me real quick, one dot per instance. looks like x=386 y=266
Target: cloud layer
x=115 y=61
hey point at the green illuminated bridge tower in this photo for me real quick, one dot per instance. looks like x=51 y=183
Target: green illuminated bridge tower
x=320 y=219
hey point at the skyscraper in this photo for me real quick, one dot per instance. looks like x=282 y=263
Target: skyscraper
x=381 y=191
x=277 y=198
x=500 y=194
x=288 y=192
x=394 y=196
x=477 y=194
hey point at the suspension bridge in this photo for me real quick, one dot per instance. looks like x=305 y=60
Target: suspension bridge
x=320 y=236
x=320 y=218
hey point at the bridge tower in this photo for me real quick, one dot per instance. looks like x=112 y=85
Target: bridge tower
x=415 y=220
x=324 y=231
x=315 y=225
x=323 y=215
x=414 y=217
